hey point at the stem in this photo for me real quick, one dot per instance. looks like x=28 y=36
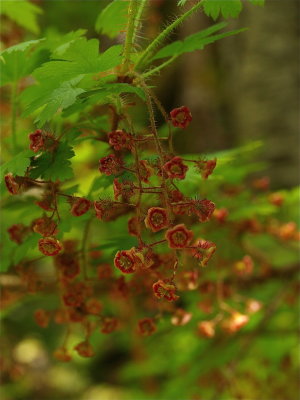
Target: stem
x=14 y=115
x=159 y=67
x=137 y=21
x=151 y=49
x=83 y=246
x=132 y=8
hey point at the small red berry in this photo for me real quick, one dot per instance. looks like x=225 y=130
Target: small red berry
x=178 y=237
x=181 y=117
x=175 y=168
x=156 y=219
x=49 y=246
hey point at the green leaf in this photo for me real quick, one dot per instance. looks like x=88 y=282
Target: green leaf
x=227 y=8
x=60 y=98
x=54 y=165
x=114 y=88
x=18 y=164
x=23 y=13
x=112 y=19
x=19 y=61
x=197 y=41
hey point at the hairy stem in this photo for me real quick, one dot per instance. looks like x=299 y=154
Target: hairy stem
x=151 y=49
x=132 y=11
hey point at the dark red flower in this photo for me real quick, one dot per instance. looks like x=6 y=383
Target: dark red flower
x=109 y=325
x=175 y=168
x=163 y=290
x=125 y=261
x=93 y=306
x=119 y=139
x=206 y=328
x=124 y=189
x=156 y=219
x=203 y=251
x=11 y=183
x=206 y=167
x=146 y=326
x=16 y=232
x=36 y=141
x=68 y=265
x=181 y=117
x=110 y=165
x=178 y=237
x=62 y=354
x=145 y=171
x=45 y=226
x=42 y=318
x=80 y=206
x=204 y=209
x=133 y=226
x=85 y=349
x=49 y=246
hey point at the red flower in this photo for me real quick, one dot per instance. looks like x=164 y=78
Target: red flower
x=178 y=237
x=49 y=246
x=46 y=203
x=175 y=196
x=125 y=261
x=181 y=317
x=16 y=232
x=175 y=168
x=68 y=265
x=84 y=349
x=41 y=318
x=220 y=214
x=244 y=267
x=11 y=184
x=204 y=209
x=181 y=117
x=163 y=290
x=235 y=322
x=93 y=306
x=145 y=171
x=124 y=189
x=206 y=167
x=62 y=354
x=109 y=325
x=80 y=206
x=110 y=165
x=206 y=328
x=133 y=226
x=203 y=251
x=156 y=219
x=146 y=326
x=36 y=141
x=120 y=139
x=45 y=226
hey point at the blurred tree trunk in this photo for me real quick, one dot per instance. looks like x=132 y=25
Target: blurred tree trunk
x=244 y=87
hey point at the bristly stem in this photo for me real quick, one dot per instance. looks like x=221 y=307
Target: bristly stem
x=14 y=115
x=130 y=31
x=159 y=67
x=137 y=21
x=151 y=49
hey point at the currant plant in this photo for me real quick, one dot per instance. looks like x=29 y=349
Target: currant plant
x=121 y=249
